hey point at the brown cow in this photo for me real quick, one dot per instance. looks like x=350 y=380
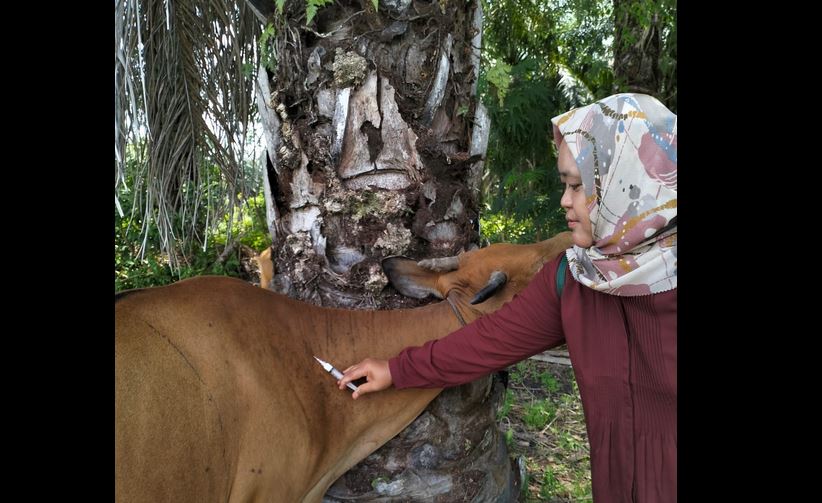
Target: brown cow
x=218 y=397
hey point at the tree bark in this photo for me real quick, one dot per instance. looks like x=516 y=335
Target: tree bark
x=375 y=139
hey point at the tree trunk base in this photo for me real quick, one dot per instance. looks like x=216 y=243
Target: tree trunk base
x=452 y=452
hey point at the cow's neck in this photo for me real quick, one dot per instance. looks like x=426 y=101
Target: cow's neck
x=397 y=329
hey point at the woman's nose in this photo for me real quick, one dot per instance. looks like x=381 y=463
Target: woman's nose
x=565 y=200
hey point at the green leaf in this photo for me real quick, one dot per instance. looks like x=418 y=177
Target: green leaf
x=311 y=7
x=500 y=76
x=310 y=12
x=267 y=56
x=280 y=6
x=376 y=4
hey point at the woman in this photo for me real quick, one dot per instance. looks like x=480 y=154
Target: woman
x=617 y=159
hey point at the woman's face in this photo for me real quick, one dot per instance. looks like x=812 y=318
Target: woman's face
x=573 y=199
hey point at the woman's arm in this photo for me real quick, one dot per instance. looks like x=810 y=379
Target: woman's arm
x=527 y=325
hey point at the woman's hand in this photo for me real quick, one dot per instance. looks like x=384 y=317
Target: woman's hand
x=375 y=371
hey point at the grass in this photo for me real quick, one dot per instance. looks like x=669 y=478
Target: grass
x=542 y=422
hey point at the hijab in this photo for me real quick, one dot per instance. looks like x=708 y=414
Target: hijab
x=625 y=148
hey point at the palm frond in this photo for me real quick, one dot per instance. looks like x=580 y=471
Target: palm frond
x=573 y=88
x=183 y=93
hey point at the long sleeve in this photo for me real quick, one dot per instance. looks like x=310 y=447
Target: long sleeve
x=530 y=323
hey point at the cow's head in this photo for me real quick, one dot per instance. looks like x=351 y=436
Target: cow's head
x=480 y=280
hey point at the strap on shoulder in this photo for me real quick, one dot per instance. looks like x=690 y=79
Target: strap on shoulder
x=561 y=274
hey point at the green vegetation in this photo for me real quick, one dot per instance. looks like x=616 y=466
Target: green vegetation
x=311 y=7
x=540 y=59
x=505 y=408
x=539 y=413
x=543 y=424
x=268 y=57
x=219 y=247
x=549 y=484
x=549 y=382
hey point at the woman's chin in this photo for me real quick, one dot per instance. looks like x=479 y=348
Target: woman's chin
x=581 y=239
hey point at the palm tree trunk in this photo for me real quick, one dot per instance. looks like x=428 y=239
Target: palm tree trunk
x=375 y=139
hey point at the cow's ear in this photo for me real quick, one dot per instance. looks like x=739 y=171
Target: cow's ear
x=410 y=279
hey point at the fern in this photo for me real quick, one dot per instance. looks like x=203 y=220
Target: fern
x=311 y=7
x=267 y=56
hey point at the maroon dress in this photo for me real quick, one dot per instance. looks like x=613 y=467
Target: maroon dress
x=623 y=351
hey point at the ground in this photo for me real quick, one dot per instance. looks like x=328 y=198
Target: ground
x=543 y=425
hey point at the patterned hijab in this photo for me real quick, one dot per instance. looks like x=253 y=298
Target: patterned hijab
x=625 y=148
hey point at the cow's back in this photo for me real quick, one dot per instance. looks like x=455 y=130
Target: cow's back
x=169 y=437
